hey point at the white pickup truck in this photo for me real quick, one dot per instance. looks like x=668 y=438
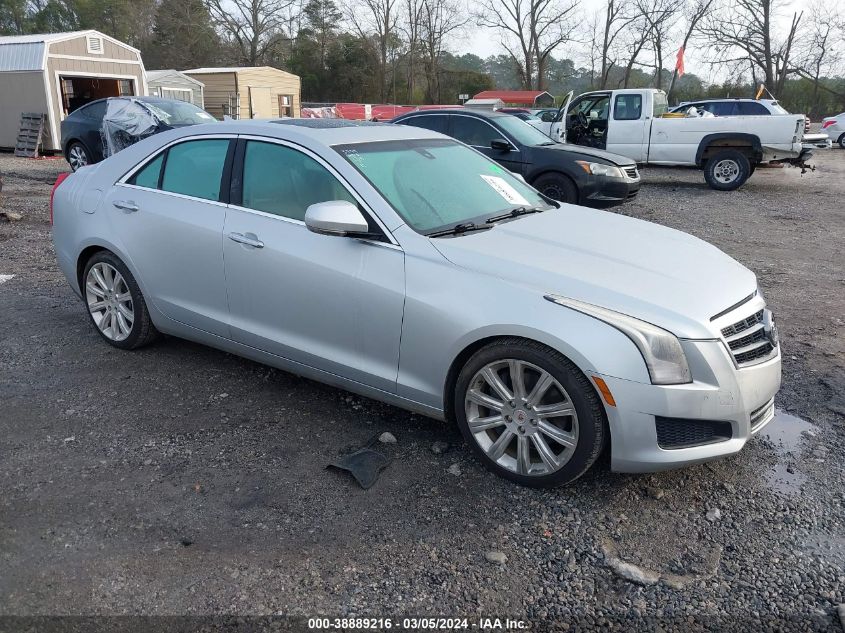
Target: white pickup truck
x=635 y=123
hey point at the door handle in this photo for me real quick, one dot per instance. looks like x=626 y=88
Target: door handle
x=240 y=238
x=126 y=205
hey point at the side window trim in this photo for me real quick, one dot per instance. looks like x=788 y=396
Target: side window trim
x=238 y=177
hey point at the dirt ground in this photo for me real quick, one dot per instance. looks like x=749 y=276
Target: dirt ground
x=181 y=480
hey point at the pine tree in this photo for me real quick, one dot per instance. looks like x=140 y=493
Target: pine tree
x=183 y=36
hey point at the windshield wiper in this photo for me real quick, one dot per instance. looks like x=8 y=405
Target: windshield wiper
x=514 y=213
x=459 y=229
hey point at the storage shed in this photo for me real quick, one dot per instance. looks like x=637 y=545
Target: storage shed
x=171 y=84
x=527 y=98
x=253 y=92
x=56 y=73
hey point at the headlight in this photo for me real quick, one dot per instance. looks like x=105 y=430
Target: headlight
x=597 y=169
x=661 y=350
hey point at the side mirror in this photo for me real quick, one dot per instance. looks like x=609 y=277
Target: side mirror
x=594 y=114
x=335 y=217
x=501 y=144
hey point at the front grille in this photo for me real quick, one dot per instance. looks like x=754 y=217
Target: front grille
x=747 y=339
x=743 y=325
x=632 y=172
x=761 y=416
x=683 y=433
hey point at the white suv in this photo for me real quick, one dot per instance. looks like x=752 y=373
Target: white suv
x=738 y=107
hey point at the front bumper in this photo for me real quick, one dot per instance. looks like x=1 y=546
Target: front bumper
x=611 y=191
x=739 y=400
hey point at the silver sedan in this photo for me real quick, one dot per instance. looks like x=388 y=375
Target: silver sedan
x=400 y=264
x=834 y=127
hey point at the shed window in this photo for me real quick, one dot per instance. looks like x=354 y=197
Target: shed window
x=95 y=45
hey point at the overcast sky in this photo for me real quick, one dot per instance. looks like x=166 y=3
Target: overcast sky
x=484 y=42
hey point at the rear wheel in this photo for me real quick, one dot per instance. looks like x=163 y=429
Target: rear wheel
x=115 y=303
x=529 y=413
x=557 y=187
x=727 y=170
x=78 y=156
x=842 y=141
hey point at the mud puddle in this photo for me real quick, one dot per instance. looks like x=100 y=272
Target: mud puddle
x=786 y=433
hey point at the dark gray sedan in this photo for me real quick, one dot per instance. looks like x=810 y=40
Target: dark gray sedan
x=569 y=173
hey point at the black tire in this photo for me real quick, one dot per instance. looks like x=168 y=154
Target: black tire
x=842 y=141
x=592 y=423
x=557 y=187
x=753 y=169
x=143 y=331
x=725 y=162
x=77 y=149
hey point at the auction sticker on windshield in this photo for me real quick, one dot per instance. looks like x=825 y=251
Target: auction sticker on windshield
x=504 y=189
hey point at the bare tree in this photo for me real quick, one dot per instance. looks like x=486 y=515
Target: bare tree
x=617 y=18
x=377 y=21
x=822 y=52
x=254 y=27
x=745 y=33
x=440 y=19
x=693 y=15
x=410 y=24
x=531 y=30
x=639 y=34
x=660 y=17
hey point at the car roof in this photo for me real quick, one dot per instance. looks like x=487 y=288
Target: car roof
x=326 y=132
x=731 y=99
x=127 y=98
x=484 y=114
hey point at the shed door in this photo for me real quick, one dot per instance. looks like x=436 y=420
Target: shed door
x=260 y=105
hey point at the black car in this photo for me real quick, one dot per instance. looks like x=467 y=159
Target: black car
x=129 y=120
x=569 y=173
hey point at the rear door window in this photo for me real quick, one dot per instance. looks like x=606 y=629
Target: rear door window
x=195 y=168
x=433 y=122
x=751 y=108
x=148 y=176
x=628 y=107
x=474 y=131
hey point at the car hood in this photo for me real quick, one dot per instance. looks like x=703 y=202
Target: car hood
x=588 y=153
x=638 y=268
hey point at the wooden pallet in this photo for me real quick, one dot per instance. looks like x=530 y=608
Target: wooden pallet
x=30 y=134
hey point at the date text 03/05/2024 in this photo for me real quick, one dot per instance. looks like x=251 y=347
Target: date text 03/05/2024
x=416 y=624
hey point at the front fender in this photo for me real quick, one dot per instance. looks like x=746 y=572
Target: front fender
x=449 y=309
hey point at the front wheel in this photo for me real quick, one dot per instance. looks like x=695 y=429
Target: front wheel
x=557 y=187
x=529 y=413
x=727 y=170
x=115 y=303
x=842 y=141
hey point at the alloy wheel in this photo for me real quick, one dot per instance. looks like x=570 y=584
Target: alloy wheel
x=522 y=417
x=726 y=171
x=77 y=157
x=109 y=301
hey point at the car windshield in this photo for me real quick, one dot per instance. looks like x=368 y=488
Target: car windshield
x=178 y=112
x=435 y=184
x=524 y=133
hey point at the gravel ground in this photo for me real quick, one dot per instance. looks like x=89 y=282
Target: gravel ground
x=182 y=480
